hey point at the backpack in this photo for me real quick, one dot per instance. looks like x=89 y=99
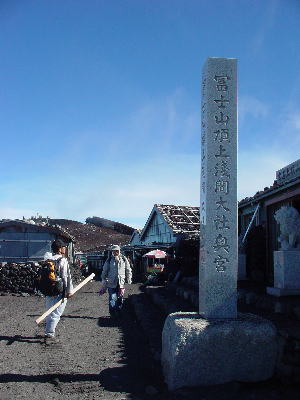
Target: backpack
x=50 y=282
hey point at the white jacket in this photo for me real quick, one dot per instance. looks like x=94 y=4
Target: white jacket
x=64 y=270
x=116 y=271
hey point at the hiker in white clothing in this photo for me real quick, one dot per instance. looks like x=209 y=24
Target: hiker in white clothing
x=64 y=290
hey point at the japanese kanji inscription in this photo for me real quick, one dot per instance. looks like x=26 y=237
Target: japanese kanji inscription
x=218 y=198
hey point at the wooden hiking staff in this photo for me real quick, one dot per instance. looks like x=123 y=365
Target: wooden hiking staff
x=42 y=317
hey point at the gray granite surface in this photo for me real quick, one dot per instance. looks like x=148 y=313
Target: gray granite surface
x=218 y=198
x=197 y=351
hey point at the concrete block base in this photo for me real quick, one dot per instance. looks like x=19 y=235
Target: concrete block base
x=199 y=352
x=287 y=269
x=278 y=292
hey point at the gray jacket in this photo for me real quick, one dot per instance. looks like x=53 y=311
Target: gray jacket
x=116 y=271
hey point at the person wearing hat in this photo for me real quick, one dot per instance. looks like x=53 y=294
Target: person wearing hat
x=116 y=271
x=58 y=254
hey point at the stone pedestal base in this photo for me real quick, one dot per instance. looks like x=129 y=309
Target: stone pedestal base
x=198 y=352
x=286 y=273
x=282 y=292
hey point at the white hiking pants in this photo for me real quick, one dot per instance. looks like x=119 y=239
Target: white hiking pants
x=53 y=318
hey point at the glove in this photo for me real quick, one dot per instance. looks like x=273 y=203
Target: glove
x=121 y=292
x=102 y=290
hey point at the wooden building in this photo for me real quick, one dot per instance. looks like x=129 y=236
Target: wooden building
x=173 y=229
x=27 y=241
x=135 y=238
x=258 y=226
x=165 y=224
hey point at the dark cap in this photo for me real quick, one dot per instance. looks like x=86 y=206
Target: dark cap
x=57 y=244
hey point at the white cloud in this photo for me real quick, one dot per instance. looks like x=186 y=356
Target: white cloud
x=159 y=125
x=147 y=164
x=129 y=193
x=125 y=192
x=172 y=121
x=119 y=174
x=287 y=134
x=259 y=38
x=251 y=106
x=257 y=170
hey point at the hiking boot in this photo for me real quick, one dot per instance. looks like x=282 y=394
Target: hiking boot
x=51 y=340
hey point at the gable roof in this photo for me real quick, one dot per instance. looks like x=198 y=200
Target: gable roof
x=135 y=233
x=180 y=219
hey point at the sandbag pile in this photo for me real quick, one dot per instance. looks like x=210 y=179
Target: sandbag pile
x=18 y=277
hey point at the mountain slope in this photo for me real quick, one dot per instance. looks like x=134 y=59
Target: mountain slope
x=89 y=237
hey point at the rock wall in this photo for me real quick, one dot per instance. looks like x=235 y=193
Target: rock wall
x=18 y=277
x=21 y=277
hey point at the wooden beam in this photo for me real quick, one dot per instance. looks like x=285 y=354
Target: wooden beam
x=43 y=316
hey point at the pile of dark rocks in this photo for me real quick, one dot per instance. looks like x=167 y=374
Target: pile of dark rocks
x=18 y=277
x=22 y=277
x=76 y=274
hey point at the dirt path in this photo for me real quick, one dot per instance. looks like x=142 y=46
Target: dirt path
x=96 y=357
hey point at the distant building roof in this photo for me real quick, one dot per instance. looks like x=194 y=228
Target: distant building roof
x=181 y=219
x=41 y=227
x=269 y=191
x=286 y=178
x=135 y=237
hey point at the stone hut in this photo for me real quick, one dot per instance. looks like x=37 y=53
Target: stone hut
x=23 y=241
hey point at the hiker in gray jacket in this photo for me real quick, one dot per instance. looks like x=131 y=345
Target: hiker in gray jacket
x=116 y=271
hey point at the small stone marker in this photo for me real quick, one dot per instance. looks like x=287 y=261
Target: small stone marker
x=218 y=208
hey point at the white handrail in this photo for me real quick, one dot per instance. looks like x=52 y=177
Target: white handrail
x=252 y=219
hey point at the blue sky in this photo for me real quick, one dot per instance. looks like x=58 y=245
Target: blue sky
x=100 y=101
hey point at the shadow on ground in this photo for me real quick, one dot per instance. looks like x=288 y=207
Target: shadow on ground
x=140 y=371
x=108 y=322
x=24 y=339
x=77 y=316
x=64 y=378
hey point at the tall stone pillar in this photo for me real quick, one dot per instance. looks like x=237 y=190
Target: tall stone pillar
x=216 y=345
x=218 y=197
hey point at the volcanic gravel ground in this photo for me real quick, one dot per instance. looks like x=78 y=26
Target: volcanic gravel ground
x=96 y=357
